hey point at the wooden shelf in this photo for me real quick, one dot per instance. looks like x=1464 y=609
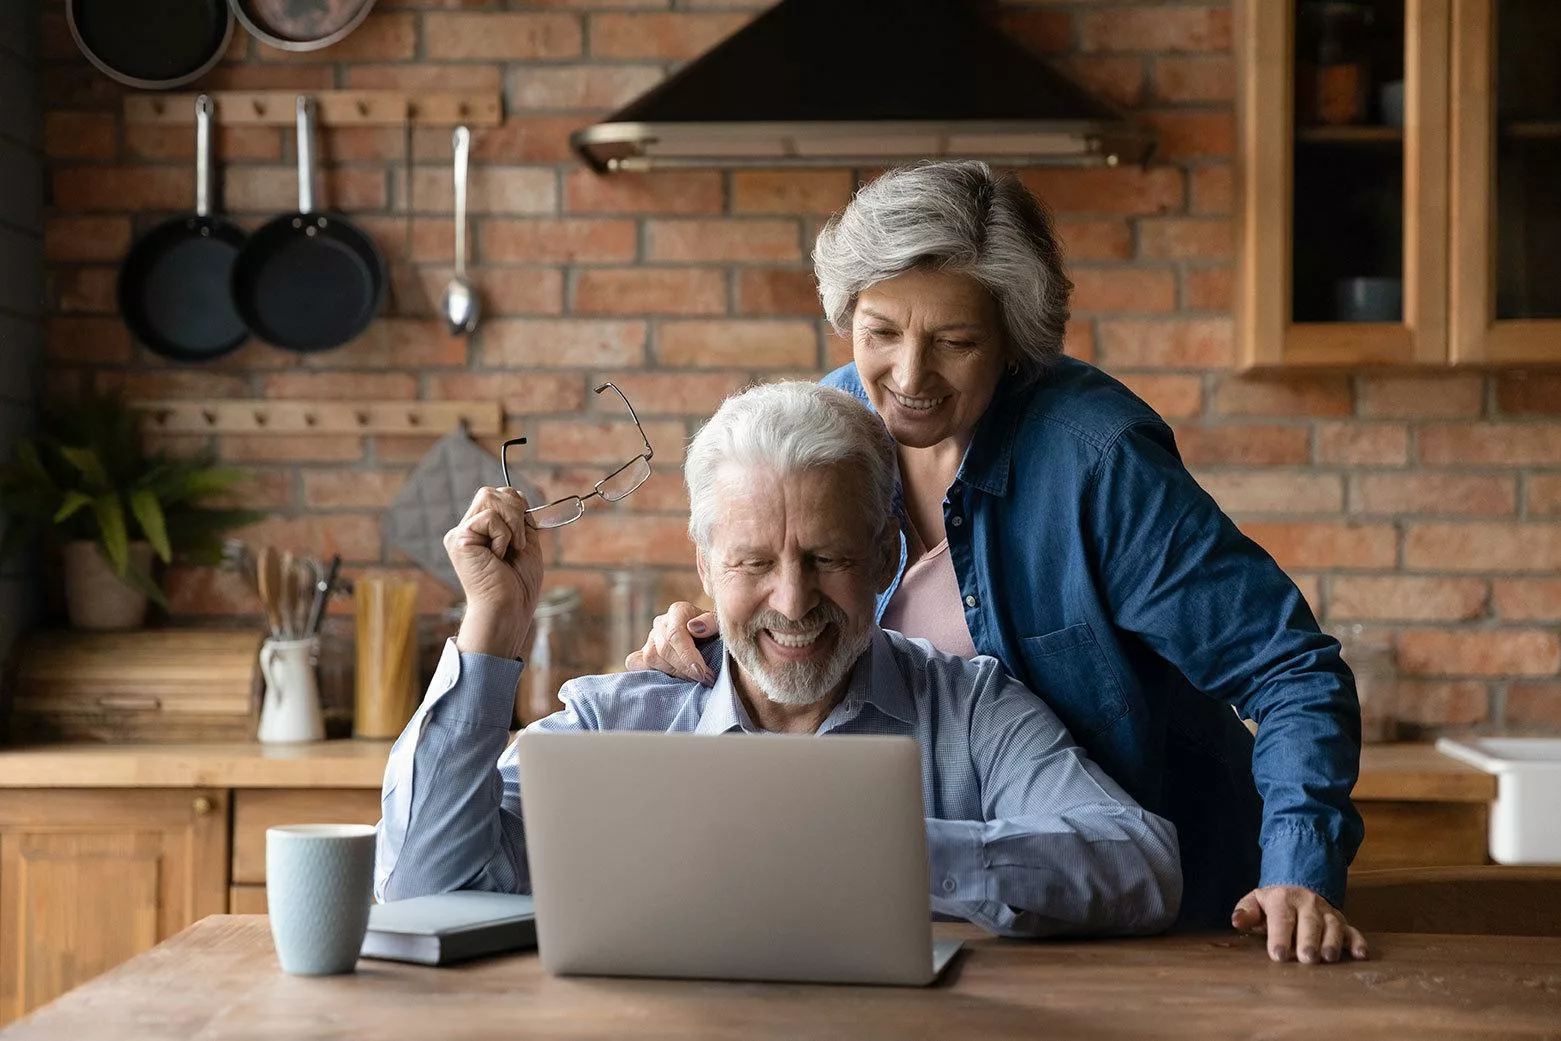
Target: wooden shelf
x=1534 y=130
x=321 y=417
x=1350 y=135
x=332 y=108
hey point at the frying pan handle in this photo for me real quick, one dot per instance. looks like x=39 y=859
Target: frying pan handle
x=462 y=143
x=204 y=107
x=305 y=154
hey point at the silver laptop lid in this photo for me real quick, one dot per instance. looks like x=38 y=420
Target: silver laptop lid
x=768 y=857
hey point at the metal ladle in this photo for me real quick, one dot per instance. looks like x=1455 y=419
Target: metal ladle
x=460 y=297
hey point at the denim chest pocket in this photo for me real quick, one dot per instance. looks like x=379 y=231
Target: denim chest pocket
x=1069 y=670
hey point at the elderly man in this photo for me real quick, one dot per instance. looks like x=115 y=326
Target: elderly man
x=790 y=493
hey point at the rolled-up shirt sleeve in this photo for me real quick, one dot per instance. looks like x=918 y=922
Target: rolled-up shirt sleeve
x=1062 y=849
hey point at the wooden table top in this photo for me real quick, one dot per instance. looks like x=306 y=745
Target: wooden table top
x=218 y=981
x=239 y=764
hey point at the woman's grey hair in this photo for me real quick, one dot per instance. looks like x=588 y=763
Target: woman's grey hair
x=787 y=428
x=952 y=216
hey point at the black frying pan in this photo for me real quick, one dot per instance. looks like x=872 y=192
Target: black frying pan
x=150 y=44
x=175 y=286
x=308 y=281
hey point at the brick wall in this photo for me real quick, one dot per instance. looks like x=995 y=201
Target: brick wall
x=21 y=263
x=1426 y=506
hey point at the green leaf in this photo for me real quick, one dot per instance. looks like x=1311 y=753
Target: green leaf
x=74 y=501
x=143 y=583
x=149 y=514
x=86 y=460
x=31 y=465
x=111 y=525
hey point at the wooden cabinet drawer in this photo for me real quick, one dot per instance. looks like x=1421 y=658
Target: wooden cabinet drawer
x=256 y=810
x=1422 y=834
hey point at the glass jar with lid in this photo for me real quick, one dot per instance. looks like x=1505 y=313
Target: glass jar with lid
x=1333 y=62
x=552 y=660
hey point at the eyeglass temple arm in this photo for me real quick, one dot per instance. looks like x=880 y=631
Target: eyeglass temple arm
x=504 y=458
x=649 y=451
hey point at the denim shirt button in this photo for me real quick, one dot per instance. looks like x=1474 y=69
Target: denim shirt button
x=949 y=885
x=956 y=520
x=971 y=601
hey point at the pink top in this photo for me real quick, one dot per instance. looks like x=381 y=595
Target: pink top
x=928 y=603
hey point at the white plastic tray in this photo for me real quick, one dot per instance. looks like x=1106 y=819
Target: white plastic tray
x=1525 y=822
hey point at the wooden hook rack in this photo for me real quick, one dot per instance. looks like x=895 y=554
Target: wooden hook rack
x=483 y=418
x=332 y=108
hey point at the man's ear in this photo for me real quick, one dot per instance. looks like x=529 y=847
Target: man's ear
x=704 y=571
x=888 y=555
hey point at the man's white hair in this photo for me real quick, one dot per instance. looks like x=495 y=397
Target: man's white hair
x=787 y=428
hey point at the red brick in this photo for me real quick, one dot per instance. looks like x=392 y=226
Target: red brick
x=1242 y=445
x=1116 y=79
x=340 y=488
x=1421 y=396
x=790 y=191
x=1048 y=31
x=393 y=448
x=500 y=37
x=615 y=539
x=781 y=291
x=1212 y=190
x=650 y=291
x=86 y=238
x=569 y=240
x=1434 y=493
x=80 y=135
x=354 y=536
x=90 y=341
x=537 y=344
x=1534 y=704
x=158 y=141
x=424 y=76
x=1124 y=289
x=1155 y=28
x=1184 y=134
x=1182 y=343
x=689 y=191
x=1483 y=547
x=269 y=190
x=1529 y=393
x=1406 y=598
x=125 y=189
x=493 y=189
x=1208 y=289
x=1078 y=340
x=670 y=393
x=396 y=343
x=340 y=386
x=1537 y=444
x=1327 y=544
x=1195 y=79
x=1363 y=444
x=770 y=344
x=660 y=36
x=1528 y=599
x=294 y=448
x=723 y=240
x=351 y=144
x=529 y=139
x=173 y=383
x=1289 y=395
x=525 y=393
x=86 y=290
x=1263 y=492
x=262 y=488
x=1095 y=239
x=581 y=86
x=208 y=592
x=1121 y=189
x=1174 y=397
x=1544 y=495
x=603 y=442
x=1494 y=652
x=383 y=36
x=1176 y=238
x=1441 y=703
x=269 y=77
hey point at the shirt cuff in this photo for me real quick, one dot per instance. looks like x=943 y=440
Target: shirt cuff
x=474 y=688
x=956 y=860
x=1295 y=855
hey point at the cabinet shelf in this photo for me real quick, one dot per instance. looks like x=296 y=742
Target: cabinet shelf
x=1350 y=135
x=1534 y=130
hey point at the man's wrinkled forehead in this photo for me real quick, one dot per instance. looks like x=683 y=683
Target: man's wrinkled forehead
x=756 y=502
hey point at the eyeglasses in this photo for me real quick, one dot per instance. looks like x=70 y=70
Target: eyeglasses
x=616 y=485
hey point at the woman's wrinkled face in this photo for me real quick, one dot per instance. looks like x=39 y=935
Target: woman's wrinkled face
x=929 y=349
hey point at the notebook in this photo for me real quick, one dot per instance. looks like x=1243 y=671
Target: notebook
x=450 y=927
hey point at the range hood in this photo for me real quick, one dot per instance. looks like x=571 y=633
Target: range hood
x=862 y=83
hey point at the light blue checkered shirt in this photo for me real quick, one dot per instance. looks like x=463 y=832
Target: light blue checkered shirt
x=1025 y=835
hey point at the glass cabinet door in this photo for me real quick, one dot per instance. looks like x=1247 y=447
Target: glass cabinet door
x=1506 y=160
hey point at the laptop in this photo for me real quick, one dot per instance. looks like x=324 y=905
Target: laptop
x=740 y=857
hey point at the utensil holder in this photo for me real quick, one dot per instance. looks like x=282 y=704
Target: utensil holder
x=386 y=613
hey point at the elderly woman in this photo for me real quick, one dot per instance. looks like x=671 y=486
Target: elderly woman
x=1048 y=521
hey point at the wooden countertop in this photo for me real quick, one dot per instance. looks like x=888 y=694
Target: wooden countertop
x=326 y=764
x=219 y=980
x=1408 y=772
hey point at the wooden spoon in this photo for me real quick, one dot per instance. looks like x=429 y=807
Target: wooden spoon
x=268 y=577
x=289 y=596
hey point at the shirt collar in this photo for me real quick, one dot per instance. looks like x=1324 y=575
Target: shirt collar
x=987 y=458
x=875 y=680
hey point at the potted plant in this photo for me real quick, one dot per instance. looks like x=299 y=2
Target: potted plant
x=86 y=483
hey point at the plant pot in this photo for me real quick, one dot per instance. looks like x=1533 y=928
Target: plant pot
x=94 y=596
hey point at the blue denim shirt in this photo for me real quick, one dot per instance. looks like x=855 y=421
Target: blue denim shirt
x=1109 y=582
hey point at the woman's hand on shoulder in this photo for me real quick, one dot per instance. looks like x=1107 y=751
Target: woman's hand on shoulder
x=670 y=647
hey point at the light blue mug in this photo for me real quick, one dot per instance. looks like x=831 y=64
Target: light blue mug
x=319 y=885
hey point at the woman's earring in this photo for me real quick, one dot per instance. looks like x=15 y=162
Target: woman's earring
x=1013 y=368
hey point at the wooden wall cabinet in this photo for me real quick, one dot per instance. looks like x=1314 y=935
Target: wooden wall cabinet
x=1461 y=204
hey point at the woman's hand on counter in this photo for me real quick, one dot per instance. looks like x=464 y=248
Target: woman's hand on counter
x=499 y=562
x=1300 y=925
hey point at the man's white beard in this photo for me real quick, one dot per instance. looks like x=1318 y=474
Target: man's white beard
x=795 y=684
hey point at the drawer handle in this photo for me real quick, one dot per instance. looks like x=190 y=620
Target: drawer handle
x=131 y=704
x=202 y=806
